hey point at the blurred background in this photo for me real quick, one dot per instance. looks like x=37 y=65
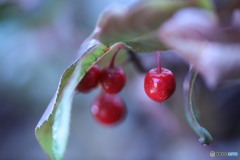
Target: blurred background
x=40 y=38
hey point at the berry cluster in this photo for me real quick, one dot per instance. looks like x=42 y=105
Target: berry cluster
x=108 y=108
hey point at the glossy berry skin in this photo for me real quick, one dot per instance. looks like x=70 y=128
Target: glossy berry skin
x=108 y=109
x=159 y=86
x=90 y=80
x=113 y=79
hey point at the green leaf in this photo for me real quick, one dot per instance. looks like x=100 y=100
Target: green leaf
x=53 y=128
x=190 y=110
x=137 y=23
x=146 y=43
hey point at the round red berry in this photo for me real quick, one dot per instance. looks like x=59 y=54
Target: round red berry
x=108 y=109
x=113 y=79
x=159 y=86
x=90 y=80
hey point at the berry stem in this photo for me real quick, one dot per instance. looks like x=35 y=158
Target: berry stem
x=133 y=57
x=159 y=66
x=114 y=57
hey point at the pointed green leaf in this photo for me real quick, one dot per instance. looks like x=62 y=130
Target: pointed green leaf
x=53 y=128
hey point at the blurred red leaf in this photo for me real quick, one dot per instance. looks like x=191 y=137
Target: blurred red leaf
x=198 y=39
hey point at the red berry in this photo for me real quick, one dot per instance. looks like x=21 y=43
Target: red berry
x=113 y=79
x=159 y=86
x=90 y=80
x=108 y=109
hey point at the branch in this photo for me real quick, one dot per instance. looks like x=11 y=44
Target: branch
x=137 y=61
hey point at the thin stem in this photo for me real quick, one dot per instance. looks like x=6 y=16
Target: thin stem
x=188 y=86
x=159 y=65
x=114 y=57
x=133 y=57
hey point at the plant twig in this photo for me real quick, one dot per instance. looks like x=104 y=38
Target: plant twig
x=133 y=57
x=137 y=62
x=190 y=111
